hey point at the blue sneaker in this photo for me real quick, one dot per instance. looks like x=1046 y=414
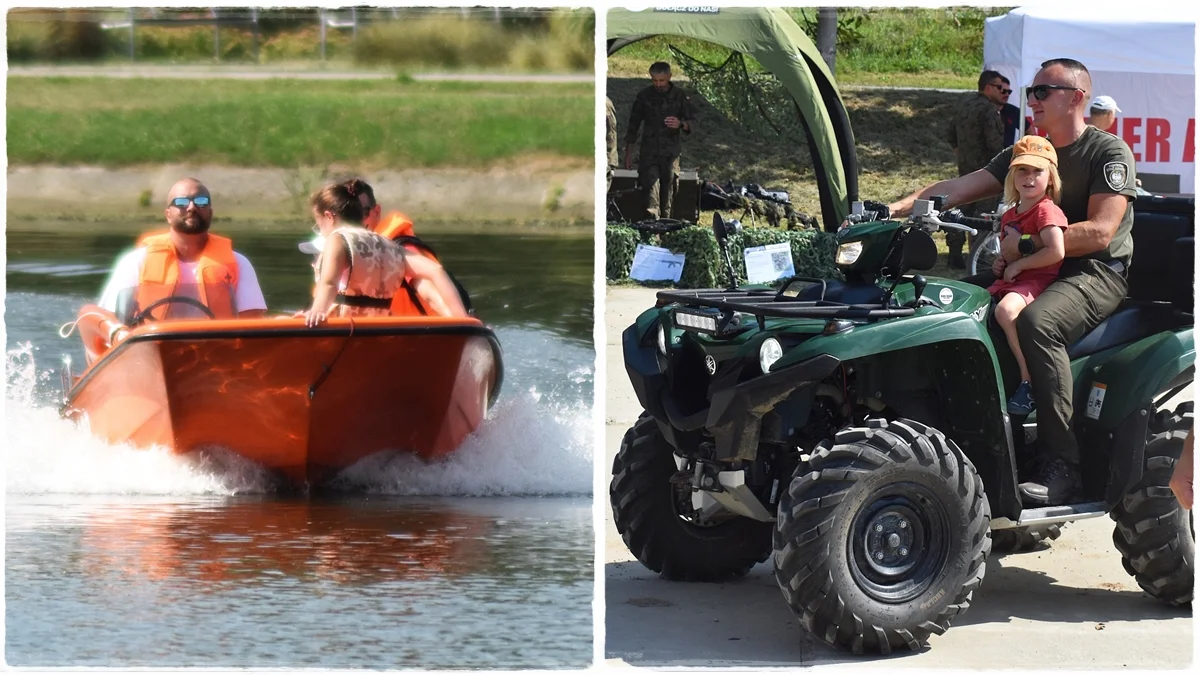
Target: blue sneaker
x=1021 y=402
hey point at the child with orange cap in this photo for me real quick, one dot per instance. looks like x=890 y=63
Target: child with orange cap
x=1032 y=190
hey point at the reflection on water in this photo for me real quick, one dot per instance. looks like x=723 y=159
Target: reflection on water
x=519 y=278
x=355 y=582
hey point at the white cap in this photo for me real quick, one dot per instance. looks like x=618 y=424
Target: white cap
x=313 y=247
x=1105 y=103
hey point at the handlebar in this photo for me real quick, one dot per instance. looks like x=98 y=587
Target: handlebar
x=934 y=220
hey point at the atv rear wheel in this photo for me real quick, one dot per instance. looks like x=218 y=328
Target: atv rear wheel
x=1154 y=533
x=1023 y=539
x=882 y=538
x=647 y=512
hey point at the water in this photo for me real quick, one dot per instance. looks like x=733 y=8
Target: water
x=137 y=558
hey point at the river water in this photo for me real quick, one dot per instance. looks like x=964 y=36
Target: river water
x=134 y=558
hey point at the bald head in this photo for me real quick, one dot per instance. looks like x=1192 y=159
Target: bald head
x=190 y=218
x=188 y=187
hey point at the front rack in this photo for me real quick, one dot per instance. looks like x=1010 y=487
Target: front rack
x=762 y=303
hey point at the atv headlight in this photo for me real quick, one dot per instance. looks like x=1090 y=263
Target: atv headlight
x=769 y=352
x=662 y=340
x=847 y=254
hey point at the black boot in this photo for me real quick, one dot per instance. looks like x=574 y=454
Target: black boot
x=1054 y=484
x=956 y=260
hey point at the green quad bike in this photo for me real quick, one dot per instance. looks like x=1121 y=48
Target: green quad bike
x=857 y=431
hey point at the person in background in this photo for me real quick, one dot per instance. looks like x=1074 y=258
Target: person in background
x=663 y=113
x=1103 y=113
x=1010 y=115
x=976 y=133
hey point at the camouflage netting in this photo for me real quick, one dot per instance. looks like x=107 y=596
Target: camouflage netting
x=757 y=101
x=812 y=252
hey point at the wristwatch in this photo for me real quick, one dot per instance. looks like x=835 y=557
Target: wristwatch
x=1025 y=246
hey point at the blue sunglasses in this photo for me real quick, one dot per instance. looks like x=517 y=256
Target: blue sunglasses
x=182 y=202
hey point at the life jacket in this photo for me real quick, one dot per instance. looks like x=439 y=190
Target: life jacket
x=216 y=275
x=397 y=227
x=375 y=276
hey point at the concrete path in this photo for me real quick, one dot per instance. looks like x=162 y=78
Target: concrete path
x=1070 y=605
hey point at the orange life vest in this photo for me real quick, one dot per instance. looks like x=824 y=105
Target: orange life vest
x=397 y=227
x=216 y=274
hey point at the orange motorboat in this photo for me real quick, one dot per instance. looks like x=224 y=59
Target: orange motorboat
x=302 y=402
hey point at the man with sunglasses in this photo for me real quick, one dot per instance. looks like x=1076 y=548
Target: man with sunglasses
x=184 y=267
x=1010 y=114
x=976 y=133
x=1098 y=177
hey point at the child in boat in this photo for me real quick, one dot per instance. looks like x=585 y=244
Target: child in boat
x=358 y=271
x=1032 y=189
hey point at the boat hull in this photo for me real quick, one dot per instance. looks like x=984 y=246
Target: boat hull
x=303 y=402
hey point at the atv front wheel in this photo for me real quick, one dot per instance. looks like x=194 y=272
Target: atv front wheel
x=653 y=516
x=882 y=538
x=1154 y=533
x=1023 y=539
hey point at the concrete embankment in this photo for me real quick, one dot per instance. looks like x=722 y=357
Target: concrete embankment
x=520 y=191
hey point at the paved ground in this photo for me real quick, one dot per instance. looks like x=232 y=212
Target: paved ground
x=308 y=72
x=1070 y=605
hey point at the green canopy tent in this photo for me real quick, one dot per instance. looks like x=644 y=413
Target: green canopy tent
x=772 y=38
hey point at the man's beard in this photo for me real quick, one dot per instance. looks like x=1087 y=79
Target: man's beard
x=199 y=226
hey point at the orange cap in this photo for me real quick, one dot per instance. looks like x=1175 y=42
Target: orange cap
x=1033 y=151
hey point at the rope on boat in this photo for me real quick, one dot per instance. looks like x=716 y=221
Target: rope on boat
x=74 y=323
x=327 y=369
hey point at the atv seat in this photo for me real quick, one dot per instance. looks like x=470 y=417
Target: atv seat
x=840 y=291
x=1132 y=321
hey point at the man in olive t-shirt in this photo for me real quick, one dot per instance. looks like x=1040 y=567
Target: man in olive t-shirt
x=1098 y=176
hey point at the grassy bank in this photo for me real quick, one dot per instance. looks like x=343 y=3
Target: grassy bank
x=287 y=123
x=940 y=47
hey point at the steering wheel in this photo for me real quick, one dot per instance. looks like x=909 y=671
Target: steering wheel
x=140 y=318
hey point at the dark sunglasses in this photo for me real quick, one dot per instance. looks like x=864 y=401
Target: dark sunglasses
x=1041 y=91
x=182 y=202
x=1002 y=89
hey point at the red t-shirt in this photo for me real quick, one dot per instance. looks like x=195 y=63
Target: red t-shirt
x=1043 y=214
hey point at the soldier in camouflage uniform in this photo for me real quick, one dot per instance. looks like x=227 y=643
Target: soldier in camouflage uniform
x=977 y=134
x=662 y=111
x=610 y=137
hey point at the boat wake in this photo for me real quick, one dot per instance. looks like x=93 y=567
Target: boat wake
x=534 y=443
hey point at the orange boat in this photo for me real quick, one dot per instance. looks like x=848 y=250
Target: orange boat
x=303 y=402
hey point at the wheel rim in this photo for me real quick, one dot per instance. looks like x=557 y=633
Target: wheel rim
x=985 y=253
x=898 y=543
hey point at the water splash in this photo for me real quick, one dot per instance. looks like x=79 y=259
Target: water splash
x=535 y=442
x=46 y=454
x=526 y=447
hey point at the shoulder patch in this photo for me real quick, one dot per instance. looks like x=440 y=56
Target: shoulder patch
x=1116 y=174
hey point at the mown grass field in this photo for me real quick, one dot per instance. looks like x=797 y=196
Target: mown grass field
x=934 y=47
x=289 y=123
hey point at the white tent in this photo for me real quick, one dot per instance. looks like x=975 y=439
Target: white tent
x=1142 y=56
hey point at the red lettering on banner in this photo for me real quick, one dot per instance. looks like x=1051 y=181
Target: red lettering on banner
x=1031 y=130
x=1189 y=141
x=1158 y=135
x=1131 y=136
